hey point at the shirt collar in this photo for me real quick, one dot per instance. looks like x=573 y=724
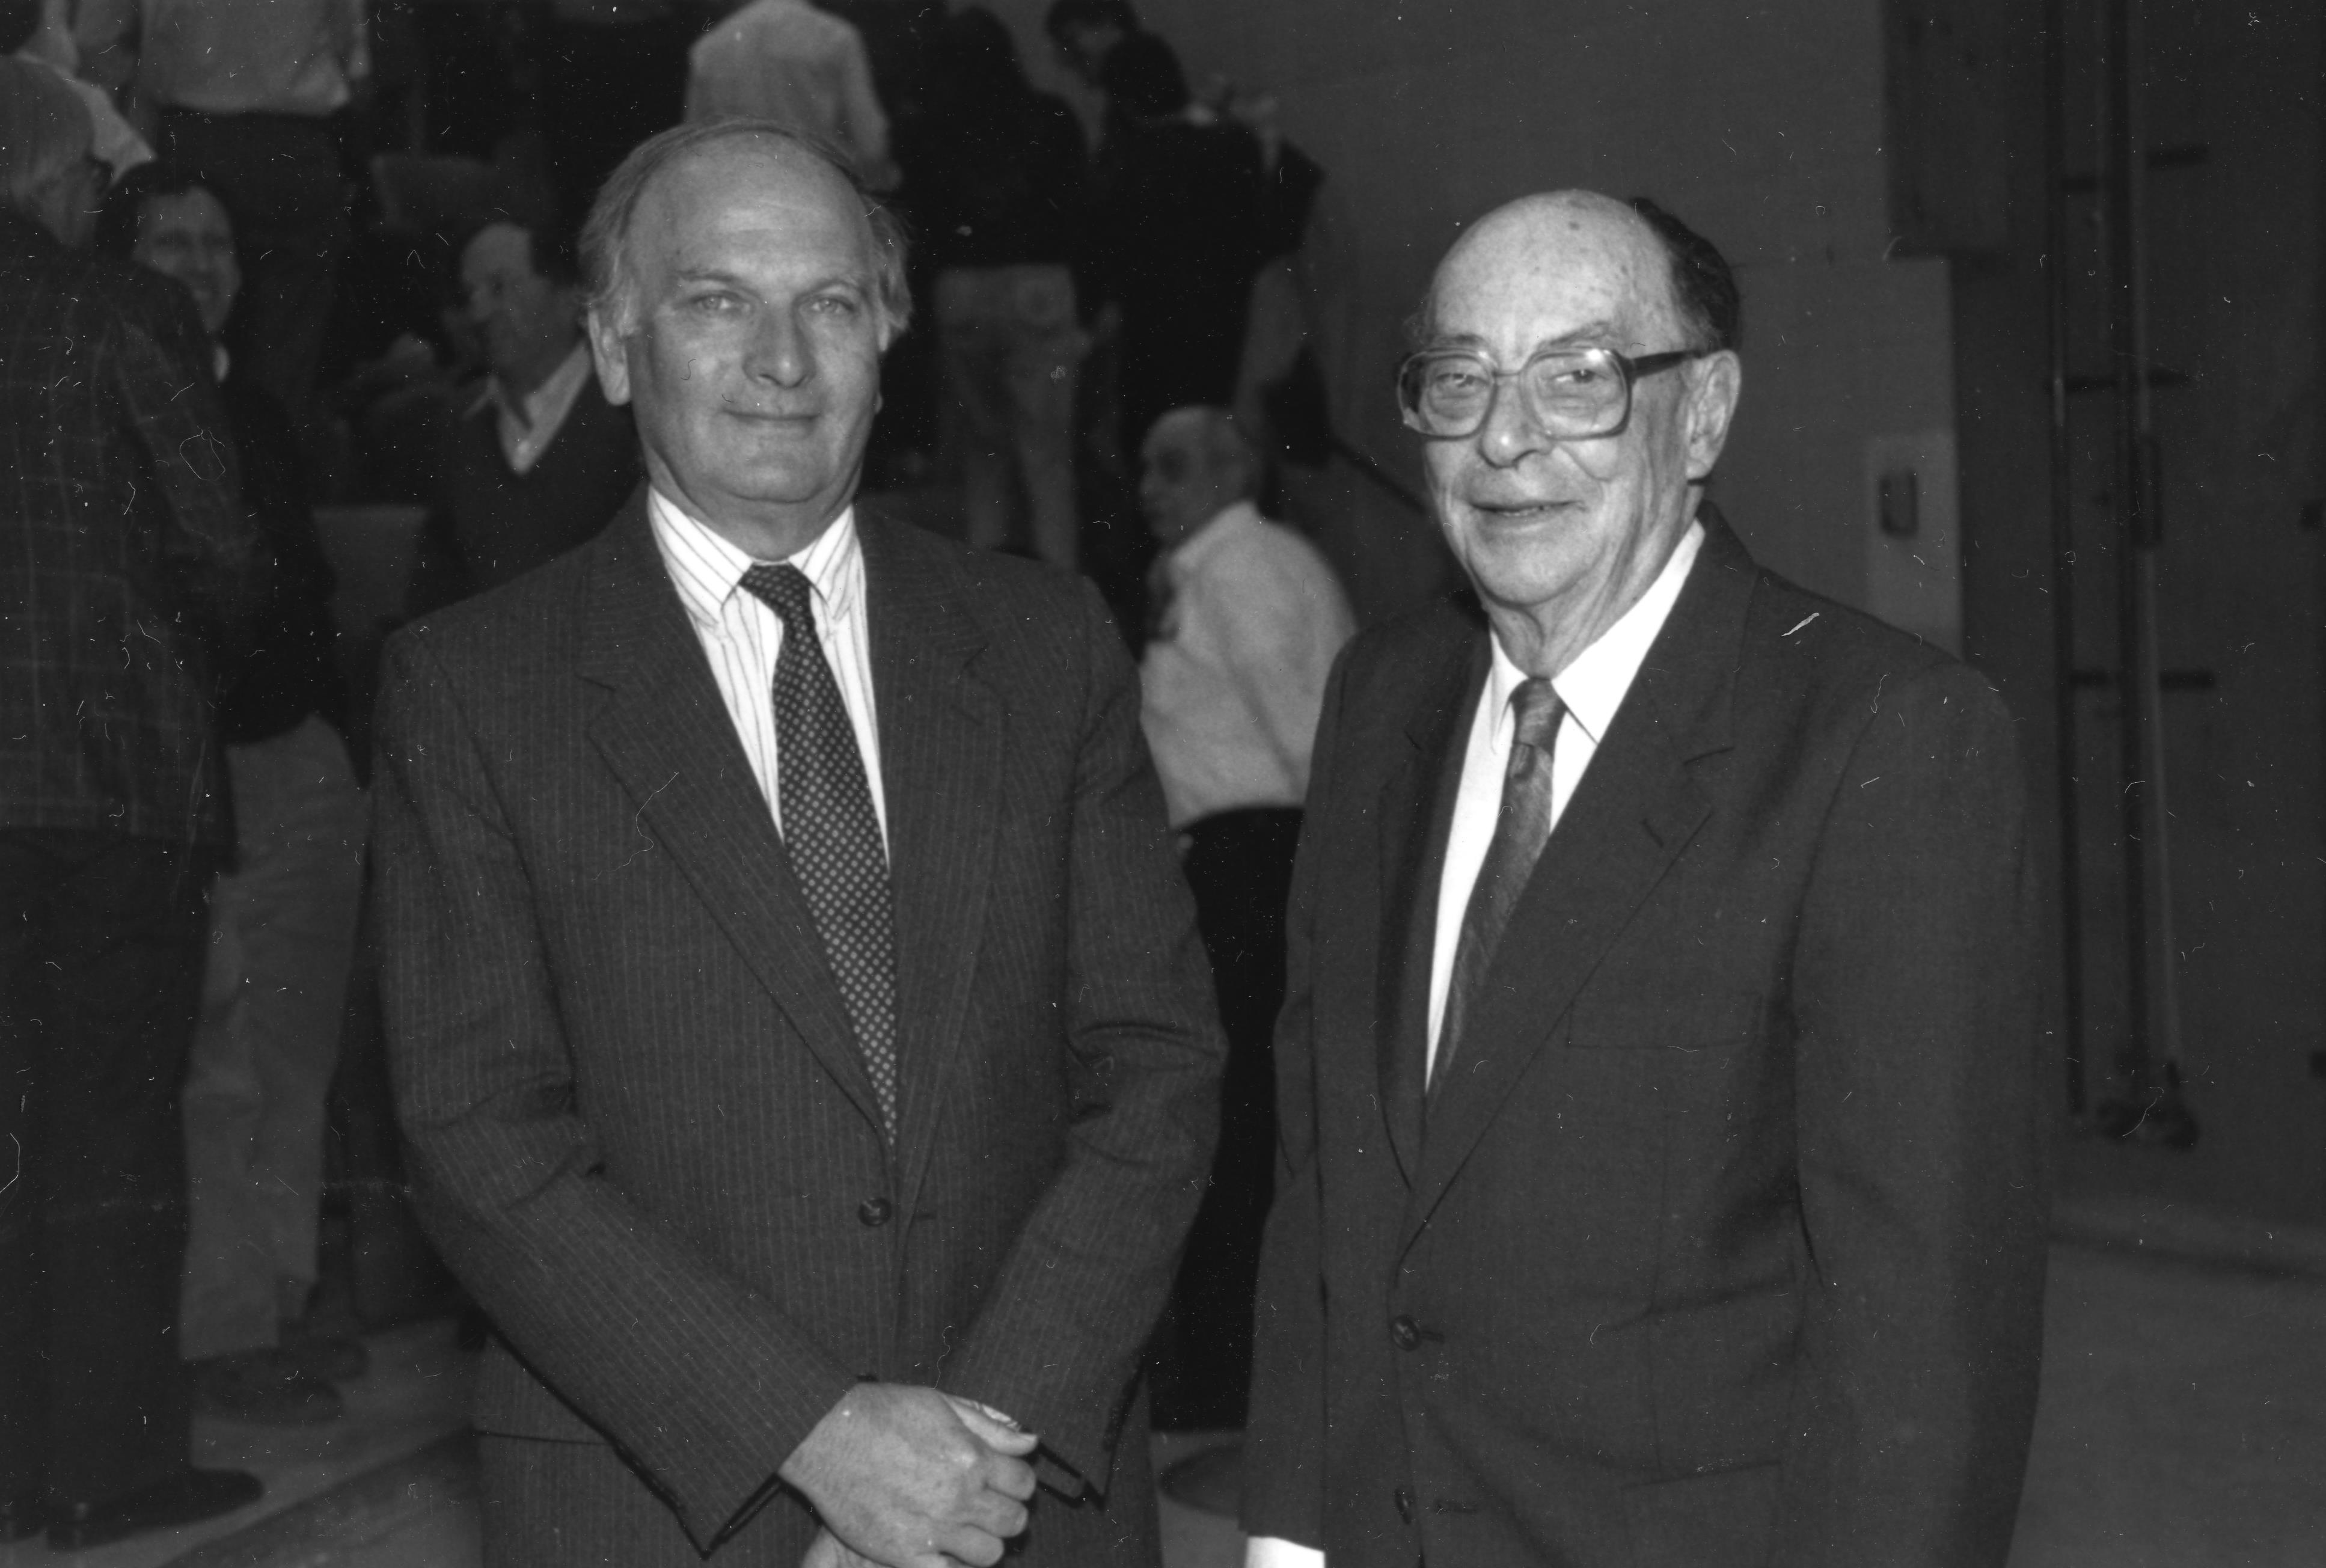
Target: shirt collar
x=1596 y=681
x=1226 y=523
x=707 y=571
x=556 y=392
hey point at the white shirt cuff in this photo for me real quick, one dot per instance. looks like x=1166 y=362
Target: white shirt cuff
x=1269 y=1551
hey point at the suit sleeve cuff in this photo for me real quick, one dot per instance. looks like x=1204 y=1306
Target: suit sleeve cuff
x=1057 y=1474
x=1049 y=1470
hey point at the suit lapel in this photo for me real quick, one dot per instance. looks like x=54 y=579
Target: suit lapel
x=941 y=738
x=1415 y=817
x=666 y=734
x=1635 y=810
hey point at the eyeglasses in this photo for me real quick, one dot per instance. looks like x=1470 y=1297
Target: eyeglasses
x=1571 y=394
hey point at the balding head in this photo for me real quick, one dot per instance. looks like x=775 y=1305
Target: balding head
x=1194 y=464
x=44 y=151
x=1565 y=224
x=607 y=263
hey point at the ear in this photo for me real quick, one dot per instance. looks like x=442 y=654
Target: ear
x=1715 y=383
x=610 y=350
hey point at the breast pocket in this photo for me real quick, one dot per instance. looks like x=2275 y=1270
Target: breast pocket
x=1679 y=1018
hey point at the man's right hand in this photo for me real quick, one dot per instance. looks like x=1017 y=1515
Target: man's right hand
x=826 y=1552
x=897 y=1475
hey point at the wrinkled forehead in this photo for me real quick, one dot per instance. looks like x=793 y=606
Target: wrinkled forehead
x=752 y=185
x=1554 y=274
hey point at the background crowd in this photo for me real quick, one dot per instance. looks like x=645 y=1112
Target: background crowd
x=264 y=259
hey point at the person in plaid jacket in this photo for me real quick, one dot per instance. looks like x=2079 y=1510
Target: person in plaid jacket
x=127 y=562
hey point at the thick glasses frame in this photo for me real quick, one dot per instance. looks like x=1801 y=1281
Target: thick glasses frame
x=1629 y=369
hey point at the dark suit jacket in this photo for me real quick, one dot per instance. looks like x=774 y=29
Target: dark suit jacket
x=290 y=668
x=641 y=1132
x=490 y=525
x=1724 y=1244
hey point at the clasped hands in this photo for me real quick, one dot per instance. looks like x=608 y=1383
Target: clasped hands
x=912 y=1477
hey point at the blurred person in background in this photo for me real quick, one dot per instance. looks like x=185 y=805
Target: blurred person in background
x=1171 y=248
x=252 y=92
x=613 y=73
x=538 y=461
x=1103 y=44
x=282 y=920
x=128 y=560
x=788 y=61
x=1178 y=241
x=40 y=31
x=998 y=168
x=1248 y=619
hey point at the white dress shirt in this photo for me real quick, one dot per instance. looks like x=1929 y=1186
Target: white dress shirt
x=1593 y=686
x=527 y=424
x=743 y=635
x=1232 y=686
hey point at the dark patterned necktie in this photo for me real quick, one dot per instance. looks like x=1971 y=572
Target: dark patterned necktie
x=1520 y=833
x=831 y=831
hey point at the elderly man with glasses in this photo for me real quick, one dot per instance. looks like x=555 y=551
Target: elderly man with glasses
x=1661 y=1177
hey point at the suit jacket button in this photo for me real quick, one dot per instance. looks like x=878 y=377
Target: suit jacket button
x=875 y=1213
x=1403 y=1498
x=1404 y=1332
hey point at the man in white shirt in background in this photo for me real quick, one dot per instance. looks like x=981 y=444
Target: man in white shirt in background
x=788 y=61
x=1248 y=617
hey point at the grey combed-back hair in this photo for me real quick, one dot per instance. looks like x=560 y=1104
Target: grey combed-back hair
x=605 y=256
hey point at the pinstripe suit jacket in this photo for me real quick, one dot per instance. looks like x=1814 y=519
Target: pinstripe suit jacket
x=640 y=1130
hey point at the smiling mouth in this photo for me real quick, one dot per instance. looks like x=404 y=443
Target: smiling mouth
x=1520 y=511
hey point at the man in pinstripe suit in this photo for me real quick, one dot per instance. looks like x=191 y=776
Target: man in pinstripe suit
x=805 y=1048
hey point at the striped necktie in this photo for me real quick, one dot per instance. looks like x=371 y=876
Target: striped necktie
x=1520 y=833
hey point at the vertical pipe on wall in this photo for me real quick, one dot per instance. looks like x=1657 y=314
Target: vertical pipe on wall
x=2122 y=163
x=2063 y=548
